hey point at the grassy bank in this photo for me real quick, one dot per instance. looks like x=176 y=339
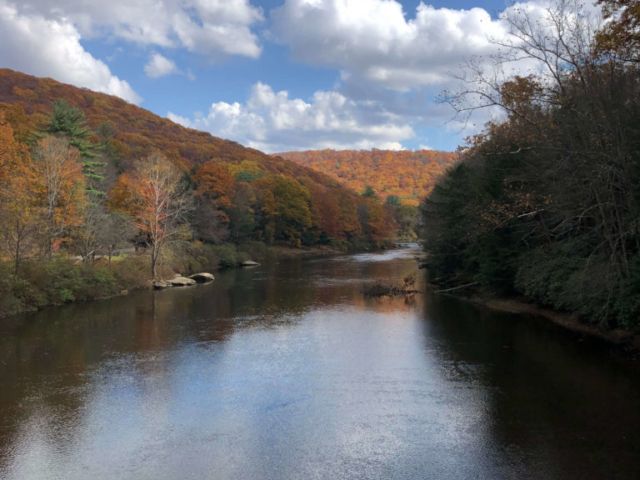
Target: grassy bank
x=64 y=280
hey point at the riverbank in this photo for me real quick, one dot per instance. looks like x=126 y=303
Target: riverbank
x=64 y=280
x=626 y=340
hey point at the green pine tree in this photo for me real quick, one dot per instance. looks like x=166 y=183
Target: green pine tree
x=369 y=192
x=393 y=200
x=70 y=122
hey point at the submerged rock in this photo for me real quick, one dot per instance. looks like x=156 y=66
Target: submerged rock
x=249 y=263
x=202 y=277
x=182 y=282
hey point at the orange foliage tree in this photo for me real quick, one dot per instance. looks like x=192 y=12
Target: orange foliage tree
x=18 y=208
x=156 y=196
x=285 y=204
x=60 y=184
x=214 y=191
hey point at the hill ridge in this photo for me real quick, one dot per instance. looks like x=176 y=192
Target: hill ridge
x=409 y=175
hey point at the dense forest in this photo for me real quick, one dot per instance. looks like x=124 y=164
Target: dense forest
x=545 y=203
x=85 y=176
x=405 y=176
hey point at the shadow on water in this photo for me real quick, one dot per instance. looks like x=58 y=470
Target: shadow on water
x=558 y=407
x=287 y=371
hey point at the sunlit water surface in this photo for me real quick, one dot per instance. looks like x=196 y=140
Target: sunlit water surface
x=286 y=371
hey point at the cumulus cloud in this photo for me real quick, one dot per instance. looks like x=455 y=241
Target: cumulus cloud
x=160 y=66
x=271 y=121
x=374 y=40
x=210 y=27
x=44 y=47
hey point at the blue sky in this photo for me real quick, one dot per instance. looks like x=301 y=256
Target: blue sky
x=272 y=74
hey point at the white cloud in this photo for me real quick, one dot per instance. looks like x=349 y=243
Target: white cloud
x=45 y=47
x=210 y=27
x=271 y=121
x=160 y=66
x=373 y=40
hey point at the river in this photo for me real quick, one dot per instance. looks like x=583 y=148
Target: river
x=286 y=371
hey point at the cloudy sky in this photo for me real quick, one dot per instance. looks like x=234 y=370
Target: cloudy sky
x=275 y=75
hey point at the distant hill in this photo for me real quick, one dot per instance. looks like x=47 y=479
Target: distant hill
x=407 y=174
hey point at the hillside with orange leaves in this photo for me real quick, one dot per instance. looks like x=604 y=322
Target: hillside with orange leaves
x=407 y=174
x=241 y=192
x=136 y=129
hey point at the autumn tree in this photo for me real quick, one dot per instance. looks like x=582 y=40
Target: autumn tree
x=60 y=182
x=243 y=220
x=620 y=36
x=155 y=194
x=24 y=126
x=214 y=190
x=19 y=213
x=376 y=222
x=285 y=205
x=325 y=213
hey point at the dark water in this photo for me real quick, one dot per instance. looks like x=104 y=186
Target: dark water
x=287 y=372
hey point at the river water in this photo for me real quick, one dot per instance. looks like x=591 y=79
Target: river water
x=286 y=371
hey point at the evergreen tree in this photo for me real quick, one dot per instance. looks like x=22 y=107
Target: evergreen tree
x=69 y=122
x=393 y=200
x=369 y=192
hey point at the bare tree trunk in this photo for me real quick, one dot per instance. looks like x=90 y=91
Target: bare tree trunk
x=154 y=261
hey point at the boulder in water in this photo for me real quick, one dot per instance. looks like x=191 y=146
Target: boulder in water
x=160 y=284
x=182 y=282
x=250 y=263
x=202 y=277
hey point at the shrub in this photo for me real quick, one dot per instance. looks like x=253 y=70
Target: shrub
x=227 y=255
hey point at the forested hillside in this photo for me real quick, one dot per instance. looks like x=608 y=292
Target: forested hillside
x=546 y=203
x=405 y=175
x=84 y=175
x=129 y=133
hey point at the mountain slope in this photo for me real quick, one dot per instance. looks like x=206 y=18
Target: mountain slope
x=406 y=174
x=252 y=196
x=136 y=129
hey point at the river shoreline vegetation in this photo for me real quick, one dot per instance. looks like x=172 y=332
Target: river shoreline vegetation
x=545 y=203
x=98 y=196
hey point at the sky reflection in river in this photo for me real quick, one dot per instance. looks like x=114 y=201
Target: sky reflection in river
x=288 y=372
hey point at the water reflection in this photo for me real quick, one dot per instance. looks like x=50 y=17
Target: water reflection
x=287 y=371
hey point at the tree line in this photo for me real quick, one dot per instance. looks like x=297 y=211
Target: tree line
x=67 y=198
x=546 y=200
